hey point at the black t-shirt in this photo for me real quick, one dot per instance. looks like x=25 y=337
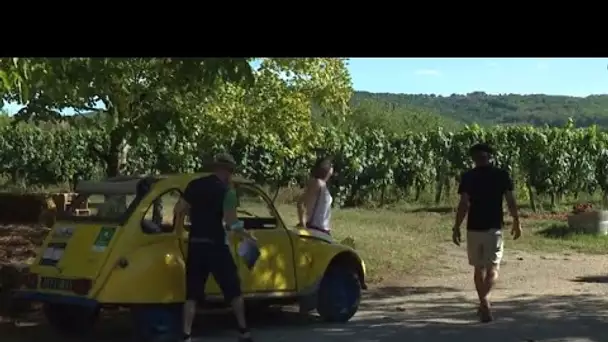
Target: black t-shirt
x=206 y=197
x=486 y=187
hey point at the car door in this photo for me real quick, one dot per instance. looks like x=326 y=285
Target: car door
x=274 y=272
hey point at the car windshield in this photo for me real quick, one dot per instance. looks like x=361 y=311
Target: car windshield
x=102 y=201
x=99 y=206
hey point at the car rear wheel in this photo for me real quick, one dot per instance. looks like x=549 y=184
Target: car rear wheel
x=339 y=295
x=71 y=319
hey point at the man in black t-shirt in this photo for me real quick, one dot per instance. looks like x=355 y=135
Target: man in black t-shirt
x=481 y=192
x=211 y=202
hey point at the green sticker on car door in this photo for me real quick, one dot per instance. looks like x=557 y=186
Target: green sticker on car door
x=103 y=238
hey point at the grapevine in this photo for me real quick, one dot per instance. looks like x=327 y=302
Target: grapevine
x=369 y=164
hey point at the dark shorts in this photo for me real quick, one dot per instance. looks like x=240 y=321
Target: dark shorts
x=215 y=259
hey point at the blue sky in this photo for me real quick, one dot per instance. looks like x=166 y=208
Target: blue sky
x=444 y=76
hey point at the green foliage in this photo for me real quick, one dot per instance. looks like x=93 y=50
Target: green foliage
x=138 y=95
x=390 y=118
x=4 y=118
x=370 y=164
x=508 y=109
x=162 y=115
x=171 y=103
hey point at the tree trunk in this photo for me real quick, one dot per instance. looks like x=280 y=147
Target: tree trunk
x=117 y=154
x=113 y=164
x=531 y=196
x=418 y=192
x=439 y=191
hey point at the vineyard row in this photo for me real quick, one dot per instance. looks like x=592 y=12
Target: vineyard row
x=545 y=161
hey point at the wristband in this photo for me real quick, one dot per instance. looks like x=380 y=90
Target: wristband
x=237 y=226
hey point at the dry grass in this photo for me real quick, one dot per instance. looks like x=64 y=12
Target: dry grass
x=555 y=236
x=392 y=243
x=400 y=244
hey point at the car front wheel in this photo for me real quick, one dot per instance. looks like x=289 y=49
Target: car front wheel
x=71 y=319
x=339 y=295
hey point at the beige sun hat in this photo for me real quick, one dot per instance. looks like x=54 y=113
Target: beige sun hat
x=222 y=160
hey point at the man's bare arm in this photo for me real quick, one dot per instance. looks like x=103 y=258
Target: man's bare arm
x=463 y=209
x=230 y=217
x=181 y=208
x=234 y=225
x=512 y=204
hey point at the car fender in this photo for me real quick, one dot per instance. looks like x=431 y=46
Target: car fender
x=315 y=256
x=152 y=273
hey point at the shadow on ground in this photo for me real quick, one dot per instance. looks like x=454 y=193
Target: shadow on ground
x=439 y=210
x=523 y=318
x=559 y=231
x=400 y=291
x=598 y=279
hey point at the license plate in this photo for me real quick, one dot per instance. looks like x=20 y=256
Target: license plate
x=49 y=283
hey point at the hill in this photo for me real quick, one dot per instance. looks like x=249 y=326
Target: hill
x=485 y=109
x=419 y=112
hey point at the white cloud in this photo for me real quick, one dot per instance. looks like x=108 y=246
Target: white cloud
x=428 y=72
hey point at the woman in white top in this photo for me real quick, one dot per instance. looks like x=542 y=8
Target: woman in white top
x=314 y=206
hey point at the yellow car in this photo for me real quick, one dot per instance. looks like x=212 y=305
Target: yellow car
x=117 y=246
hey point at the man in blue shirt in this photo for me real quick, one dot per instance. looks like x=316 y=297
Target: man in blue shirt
x=211 y=201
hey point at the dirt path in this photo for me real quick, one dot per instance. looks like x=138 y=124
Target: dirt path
x=539 y=298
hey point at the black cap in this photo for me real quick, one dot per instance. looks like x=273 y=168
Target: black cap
x=481 y=147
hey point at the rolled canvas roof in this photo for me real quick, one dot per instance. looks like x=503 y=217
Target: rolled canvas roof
x=109 y=187
x=127 y=185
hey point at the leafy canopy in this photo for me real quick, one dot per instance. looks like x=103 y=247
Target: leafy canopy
x=136 y=95
x=178 y=101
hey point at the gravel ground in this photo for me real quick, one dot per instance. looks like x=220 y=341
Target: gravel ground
x=557 y=297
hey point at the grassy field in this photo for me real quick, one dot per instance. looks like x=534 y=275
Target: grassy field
x=399 y=244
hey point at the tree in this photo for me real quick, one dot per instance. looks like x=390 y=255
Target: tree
x=276 y=114
x=279 y=107
x=132 y=96
x=4 y=117
x=394 y=118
